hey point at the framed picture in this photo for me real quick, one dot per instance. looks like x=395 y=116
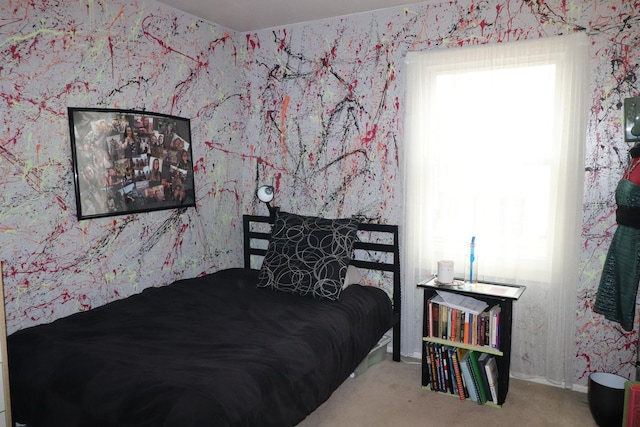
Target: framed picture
x=128 y=161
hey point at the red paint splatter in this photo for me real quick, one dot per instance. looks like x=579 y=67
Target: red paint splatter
x=61 y=203
x=146 y=25
x=14 y=52
x=111 y=52
x=370 y=135
x=483 y=24
x=277 y=179
x=251 y=42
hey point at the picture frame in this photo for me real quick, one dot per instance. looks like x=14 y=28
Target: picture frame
x=130 y=161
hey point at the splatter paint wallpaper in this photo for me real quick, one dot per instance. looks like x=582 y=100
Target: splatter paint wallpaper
x=129 y=55
x=315 y=109
x=327 y=106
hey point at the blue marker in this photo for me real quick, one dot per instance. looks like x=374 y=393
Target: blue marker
x=472 y=258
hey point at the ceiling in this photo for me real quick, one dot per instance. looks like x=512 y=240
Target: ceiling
x=253 y=15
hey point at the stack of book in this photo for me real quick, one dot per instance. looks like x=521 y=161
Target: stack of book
x=458 y=323
x=468 y=374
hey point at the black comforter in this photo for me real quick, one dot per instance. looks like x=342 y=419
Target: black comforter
x=210 y=351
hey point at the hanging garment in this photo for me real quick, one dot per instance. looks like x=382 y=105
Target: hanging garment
x=616 y=298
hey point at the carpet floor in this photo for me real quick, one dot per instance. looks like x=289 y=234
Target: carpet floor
x=389 y=394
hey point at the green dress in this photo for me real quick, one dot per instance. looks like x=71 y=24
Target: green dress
x=616 y=297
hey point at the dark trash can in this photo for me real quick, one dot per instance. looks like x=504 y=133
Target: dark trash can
x=606 y=398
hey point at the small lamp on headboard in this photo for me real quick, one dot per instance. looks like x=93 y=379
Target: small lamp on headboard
x=266 y=193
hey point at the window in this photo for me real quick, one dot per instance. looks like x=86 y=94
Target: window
x=494 y=149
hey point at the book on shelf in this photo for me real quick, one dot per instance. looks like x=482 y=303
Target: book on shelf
x=452 y=373
x=476 y=375
x=433 y=371
x=436 y=319
x=444 y=316
x=468 y=320
x=465 y=367
x=474 y=330
x=494 y=315
x=460 y=352
x=447 y=372
x=491 y=368
x=442 y=385
x=459 y=324
x=484 y=328
x=453 y=354
x=438 y=368
x=482 y=362
x=451 y=333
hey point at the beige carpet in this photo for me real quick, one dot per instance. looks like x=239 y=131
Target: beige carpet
x=389 y=394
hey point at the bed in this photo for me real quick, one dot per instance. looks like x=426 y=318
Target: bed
x=223 y=349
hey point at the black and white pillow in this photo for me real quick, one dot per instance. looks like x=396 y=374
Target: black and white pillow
x=308 y=255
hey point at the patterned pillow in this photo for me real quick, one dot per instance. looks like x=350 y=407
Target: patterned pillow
x=308 y=255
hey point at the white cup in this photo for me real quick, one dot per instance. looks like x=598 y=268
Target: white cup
x=445 y=271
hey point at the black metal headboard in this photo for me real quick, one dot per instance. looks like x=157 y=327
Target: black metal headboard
x=257 y=229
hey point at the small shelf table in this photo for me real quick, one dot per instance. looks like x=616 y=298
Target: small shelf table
x=493 y=294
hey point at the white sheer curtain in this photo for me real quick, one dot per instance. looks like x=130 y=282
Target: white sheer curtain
x=495 y=138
